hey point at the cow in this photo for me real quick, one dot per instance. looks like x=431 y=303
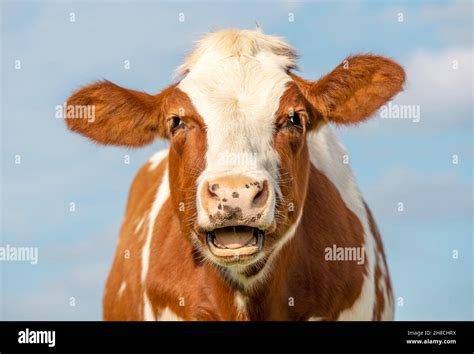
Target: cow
x=252 y=212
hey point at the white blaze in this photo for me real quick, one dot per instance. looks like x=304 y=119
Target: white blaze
x=235 y=80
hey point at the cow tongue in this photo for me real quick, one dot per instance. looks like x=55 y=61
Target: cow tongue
x=233 y=238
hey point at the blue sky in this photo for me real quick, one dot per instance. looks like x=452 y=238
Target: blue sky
x=393 y=160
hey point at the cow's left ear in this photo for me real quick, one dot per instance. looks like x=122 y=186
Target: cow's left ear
x=355 y=89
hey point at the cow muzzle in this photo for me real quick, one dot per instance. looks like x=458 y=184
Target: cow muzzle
x=236 y=212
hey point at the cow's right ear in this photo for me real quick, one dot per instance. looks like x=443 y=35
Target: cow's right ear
x=119 y=116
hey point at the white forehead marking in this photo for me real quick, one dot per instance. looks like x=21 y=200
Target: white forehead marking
x=235 y=80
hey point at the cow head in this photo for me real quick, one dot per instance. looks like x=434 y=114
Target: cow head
x=237 y=123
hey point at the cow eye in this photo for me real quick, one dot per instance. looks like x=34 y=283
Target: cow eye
x=176 y=123
x=294 y=119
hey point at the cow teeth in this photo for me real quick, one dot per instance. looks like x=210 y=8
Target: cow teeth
x=219 y=245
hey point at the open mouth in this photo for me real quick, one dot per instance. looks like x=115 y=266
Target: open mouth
x=235 y=241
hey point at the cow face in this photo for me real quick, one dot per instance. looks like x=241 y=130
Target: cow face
x=237 y=123
x=243 y=161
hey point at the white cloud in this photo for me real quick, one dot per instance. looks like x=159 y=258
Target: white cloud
x=441 y=83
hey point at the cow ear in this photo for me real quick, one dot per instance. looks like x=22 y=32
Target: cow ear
x=355 y=89
x=119 y=116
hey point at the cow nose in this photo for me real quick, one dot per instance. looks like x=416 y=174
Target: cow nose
x=254 y=195
x=234 y=200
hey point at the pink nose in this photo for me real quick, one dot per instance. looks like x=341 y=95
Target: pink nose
x=235 y=200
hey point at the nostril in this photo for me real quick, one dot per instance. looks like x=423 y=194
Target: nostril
x=212 y=190
x=261 y=197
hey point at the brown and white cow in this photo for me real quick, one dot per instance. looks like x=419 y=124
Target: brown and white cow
x=239 y=218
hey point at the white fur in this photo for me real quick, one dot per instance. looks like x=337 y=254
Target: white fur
x=241 y=303
x=327 y=155
x=139 y=224
x=157 y=157
x=235 y=80
x=148 y=314
x=168 y=315
x=121 y=289
x=162 y=195
x=387 y=313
